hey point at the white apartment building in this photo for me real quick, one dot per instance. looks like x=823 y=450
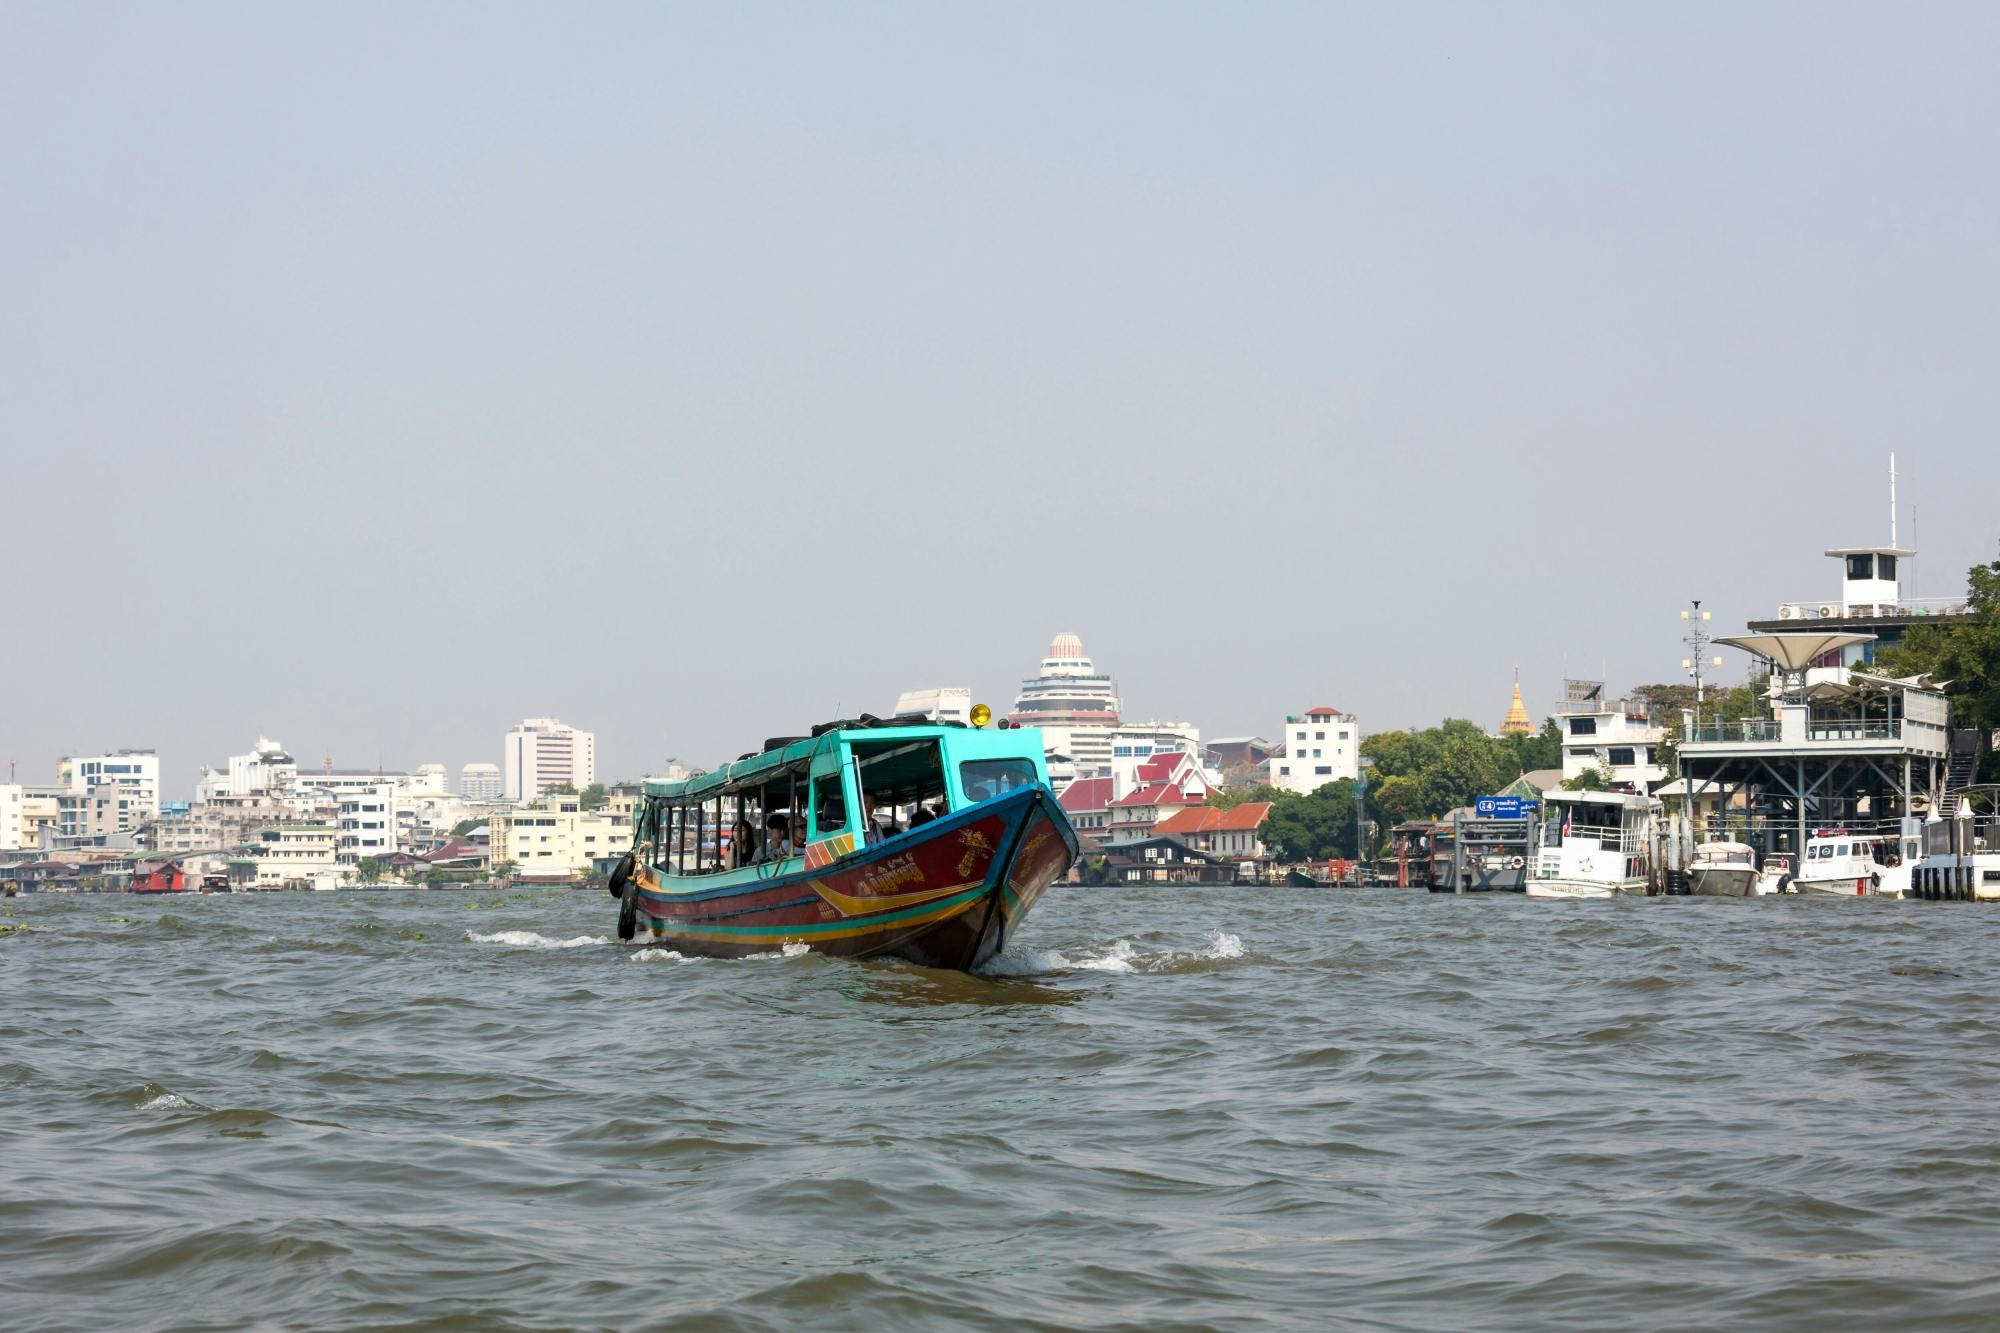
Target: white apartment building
x=541 y=753
x=428 y=780
x=553 y=838
x=134 y=773
x=265 y=768
x=334 y=783
x=367 y=821
x=297 y=854
x=10 y=817
x=482 y=782
x=1318 y=746
x=948 y=703
x=1614 y=737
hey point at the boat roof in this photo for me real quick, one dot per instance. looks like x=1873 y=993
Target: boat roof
x=802 y=750
x=1871 y=550
x=1630 y=800
x=1723 y=847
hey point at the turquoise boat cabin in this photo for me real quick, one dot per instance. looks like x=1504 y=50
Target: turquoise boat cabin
x=848 y=787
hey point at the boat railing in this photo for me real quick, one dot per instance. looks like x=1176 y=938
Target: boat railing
x=1608 y=837
x=1917 y=607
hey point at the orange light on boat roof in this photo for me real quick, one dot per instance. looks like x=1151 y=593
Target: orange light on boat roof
x=981 y=715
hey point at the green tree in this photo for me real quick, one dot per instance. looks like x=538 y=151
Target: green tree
x=561 y=789
x=505 y=870
x=369 y=869
x=1588 y=780
x=465 y=826
x=1315 y=826
x=1525 y=754
x=593 y=797
x=1963 y=653
x=1399 y=798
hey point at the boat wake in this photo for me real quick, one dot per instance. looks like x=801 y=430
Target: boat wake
x=528 y=939
x=1118 y=956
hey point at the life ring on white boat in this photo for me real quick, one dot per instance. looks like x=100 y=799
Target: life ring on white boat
x=1515 y=862
x=622 y=872
x=1583 y=865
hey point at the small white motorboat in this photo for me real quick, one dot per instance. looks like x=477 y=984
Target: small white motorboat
x=1723 y=870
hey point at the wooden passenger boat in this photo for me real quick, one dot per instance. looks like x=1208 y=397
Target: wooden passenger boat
x=906 y=839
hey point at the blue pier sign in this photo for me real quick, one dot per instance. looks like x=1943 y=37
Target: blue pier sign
x=1504 y=807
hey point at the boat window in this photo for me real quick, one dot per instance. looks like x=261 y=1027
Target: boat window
x=983 y=779
x=829 y=806
x=902 y=784
x=780 y=817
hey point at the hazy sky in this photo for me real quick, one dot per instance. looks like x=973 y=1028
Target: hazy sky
x=373 y=377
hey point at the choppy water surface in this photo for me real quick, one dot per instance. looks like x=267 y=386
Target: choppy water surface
x=1174 y=1107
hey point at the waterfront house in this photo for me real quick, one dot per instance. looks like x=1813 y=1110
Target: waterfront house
x=1318 y=746
x=1235 y=833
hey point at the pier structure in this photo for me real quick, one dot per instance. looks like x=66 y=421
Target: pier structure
x=1842 y=747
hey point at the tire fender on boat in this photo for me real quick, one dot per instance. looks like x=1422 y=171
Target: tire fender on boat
x=623 y=872
x=628 y=910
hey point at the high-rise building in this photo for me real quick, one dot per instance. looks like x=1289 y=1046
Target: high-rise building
x=948 y=703
x=1075 y=706
x=480 y=782
x=134 y=774
x=541 y=753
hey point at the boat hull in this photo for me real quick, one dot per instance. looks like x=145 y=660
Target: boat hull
x=948 y=894
x=1847 y=886
x=1585 y=888
x=1722 y=881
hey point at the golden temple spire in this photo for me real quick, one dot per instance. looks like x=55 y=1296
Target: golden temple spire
x=1518 y=722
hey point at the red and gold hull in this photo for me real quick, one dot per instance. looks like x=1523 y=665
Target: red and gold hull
x=948 y=894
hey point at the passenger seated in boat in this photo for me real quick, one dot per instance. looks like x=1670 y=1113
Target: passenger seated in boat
x=777 y=839
x=884 y=823
x=743 y=847
x=924 y=815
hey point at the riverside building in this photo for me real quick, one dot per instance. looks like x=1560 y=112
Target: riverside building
x=131 y=778
x=1074 y=704
x=1616 y=737
x=542 y=752
x=1318 y=746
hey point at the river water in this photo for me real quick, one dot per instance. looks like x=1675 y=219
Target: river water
x=1171 y=1108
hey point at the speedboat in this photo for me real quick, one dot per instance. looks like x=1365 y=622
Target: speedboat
x=871 y=838
x=1723 y=870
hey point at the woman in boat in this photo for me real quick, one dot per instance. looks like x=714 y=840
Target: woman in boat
x=742 y=845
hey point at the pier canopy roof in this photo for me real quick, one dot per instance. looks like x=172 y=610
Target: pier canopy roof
x=1795 y=651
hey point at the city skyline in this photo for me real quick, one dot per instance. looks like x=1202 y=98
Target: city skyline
x=698 y=376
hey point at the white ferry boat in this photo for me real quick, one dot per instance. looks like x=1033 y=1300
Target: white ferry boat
x=1847 y=864
x=1723 y=870
x=1961 y=861
x=1597 y=844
